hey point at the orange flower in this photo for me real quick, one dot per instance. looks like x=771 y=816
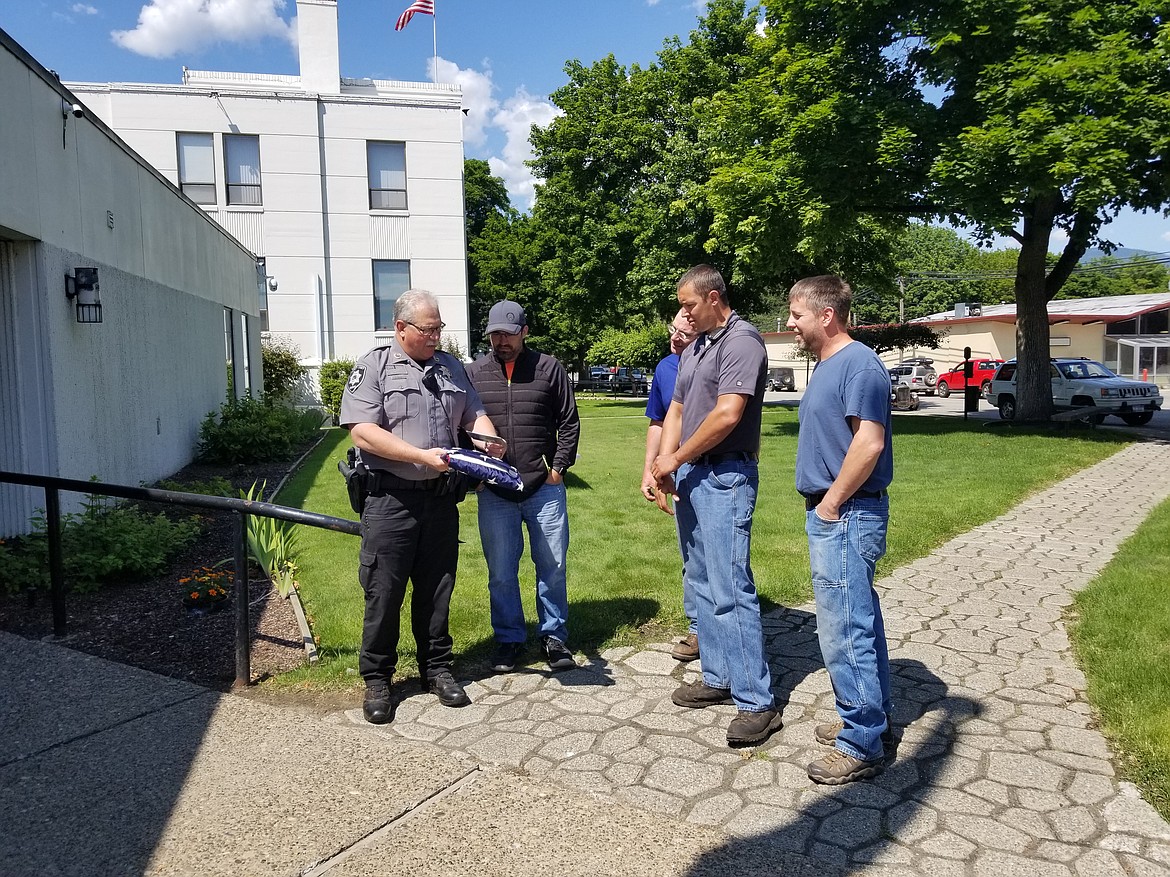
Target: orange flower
x=194 y=595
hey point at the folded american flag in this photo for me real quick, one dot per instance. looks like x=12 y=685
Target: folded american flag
x=482 y=467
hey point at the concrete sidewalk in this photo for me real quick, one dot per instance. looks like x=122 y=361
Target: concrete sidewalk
x=1000 y=769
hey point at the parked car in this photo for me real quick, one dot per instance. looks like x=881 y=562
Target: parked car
x=1082 y=383
x=595 y=377
x=982 y=371
x=922 y=378
x=631 y=381
x=781 y=378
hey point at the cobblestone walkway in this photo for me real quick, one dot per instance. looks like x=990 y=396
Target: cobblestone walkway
x=1000 y=770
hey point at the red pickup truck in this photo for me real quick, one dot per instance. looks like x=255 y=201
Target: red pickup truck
x=983 y=369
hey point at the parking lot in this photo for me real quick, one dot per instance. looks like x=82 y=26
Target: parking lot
x=952 y=406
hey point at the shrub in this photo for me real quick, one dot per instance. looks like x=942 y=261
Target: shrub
x=272 y=544
x=283 y=372
x=332 y=378
x=105 y=542
x=216 y=486
x=254 y=431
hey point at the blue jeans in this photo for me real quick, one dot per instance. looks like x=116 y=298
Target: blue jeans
x=690 y=606
x=714 y=515
x=546 y=516
x=843 y=555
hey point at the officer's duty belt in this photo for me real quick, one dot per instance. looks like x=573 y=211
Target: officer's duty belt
x=381 y=481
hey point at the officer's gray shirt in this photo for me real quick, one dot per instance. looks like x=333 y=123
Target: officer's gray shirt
x=424 y=405
x=735 y=360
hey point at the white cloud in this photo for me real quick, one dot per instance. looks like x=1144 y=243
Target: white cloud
x=488 y=119
x=477 y=98
x=515 y=118
x=1166 y=236
x=167 y=27
x=84 y=9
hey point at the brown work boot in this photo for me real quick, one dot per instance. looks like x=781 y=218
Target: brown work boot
x=700 y=694
x=748 y=728
x=826 y=734
x=837 y=768
x=688 y=649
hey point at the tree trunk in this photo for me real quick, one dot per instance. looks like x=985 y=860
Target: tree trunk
x=1033 y=383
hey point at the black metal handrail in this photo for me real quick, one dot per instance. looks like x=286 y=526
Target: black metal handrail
x=241 y=507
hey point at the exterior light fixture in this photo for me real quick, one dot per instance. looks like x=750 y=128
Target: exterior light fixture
x=82 y=289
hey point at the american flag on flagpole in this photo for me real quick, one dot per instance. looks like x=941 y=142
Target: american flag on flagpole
x=426 y=7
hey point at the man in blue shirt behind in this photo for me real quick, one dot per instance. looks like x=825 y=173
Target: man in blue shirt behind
x=844 y=463
x=665 y=375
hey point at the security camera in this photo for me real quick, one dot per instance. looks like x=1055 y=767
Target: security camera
x=78 y=110
x=272 y=284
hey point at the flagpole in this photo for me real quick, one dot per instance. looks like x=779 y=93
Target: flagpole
x=435 y=43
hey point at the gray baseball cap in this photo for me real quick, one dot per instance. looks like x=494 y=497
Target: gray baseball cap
x=506 y=316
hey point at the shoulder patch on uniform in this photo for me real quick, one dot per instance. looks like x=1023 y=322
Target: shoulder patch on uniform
x=355 y=378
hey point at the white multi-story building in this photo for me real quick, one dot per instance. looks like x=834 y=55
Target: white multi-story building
x=351 y=191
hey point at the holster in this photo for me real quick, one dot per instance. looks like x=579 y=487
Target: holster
x=453 y=484
x=355 y=480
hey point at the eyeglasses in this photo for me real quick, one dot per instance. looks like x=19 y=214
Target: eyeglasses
x=433 y=331
x=681 y=333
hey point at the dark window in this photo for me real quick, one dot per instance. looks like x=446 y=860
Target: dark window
x=197 y=167
x=391 y=279
x=1155 y=323
x=386 y=167
x=241 y=158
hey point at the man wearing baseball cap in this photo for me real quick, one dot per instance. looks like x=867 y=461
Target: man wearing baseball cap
x=529 y=398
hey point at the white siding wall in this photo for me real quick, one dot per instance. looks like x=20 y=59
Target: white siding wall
x=122 y=399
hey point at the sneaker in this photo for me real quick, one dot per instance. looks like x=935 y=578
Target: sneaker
x=687 y=650
x=376 y=705
x=747 y=728
x=559 y=657
x=507 y=656
x=826 y=734
x=699 y=694
x=837 y=768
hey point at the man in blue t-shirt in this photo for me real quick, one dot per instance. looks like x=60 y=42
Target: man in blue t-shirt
x=844 y=463
x=665 y=374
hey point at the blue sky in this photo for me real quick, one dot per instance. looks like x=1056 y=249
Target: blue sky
x=508 y=55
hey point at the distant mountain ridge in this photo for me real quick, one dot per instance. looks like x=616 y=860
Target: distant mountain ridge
x=1121 y=254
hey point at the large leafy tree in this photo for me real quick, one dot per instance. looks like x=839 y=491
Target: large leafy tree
x=1010 y=119
x=619 y=207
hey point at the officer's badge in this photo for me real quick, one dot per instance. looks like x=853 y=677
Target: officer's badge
x=355 y=378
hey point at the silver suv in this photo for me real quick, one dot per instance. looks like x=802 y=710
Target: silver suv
x=916 y=374
x=1082 y=383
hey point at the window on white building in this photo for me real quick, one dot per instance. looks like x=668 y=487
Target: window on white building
x=391 y=279
x=386 y=165
x=241 y=158
x=197 y=167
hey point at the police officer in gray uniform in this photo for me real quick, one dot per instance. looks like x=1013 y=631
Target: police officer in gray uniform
x=403 y=405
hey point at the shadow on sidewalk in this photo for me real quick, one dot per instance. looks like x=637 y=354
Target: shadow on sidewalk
x=846 y=829
x=95 y=758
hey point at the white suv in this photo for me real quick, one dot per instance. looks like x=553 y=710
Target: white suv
x=1082 y=383
x=919 y=376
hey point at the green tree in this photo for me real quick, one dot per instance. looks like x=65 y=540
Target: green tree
x=1005 y=118
x=619 y=206
x=485 y=204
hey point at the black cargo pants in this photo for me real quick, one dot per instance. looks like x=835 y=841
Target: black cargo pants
x=407 y=535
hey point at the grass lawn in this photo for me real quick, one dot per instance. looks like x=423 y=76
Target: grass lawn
x=1121 y=633
x=624 y=568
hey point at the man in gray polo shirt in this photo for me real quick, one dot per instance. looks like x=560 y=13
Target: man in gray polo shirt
x=708 y=461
